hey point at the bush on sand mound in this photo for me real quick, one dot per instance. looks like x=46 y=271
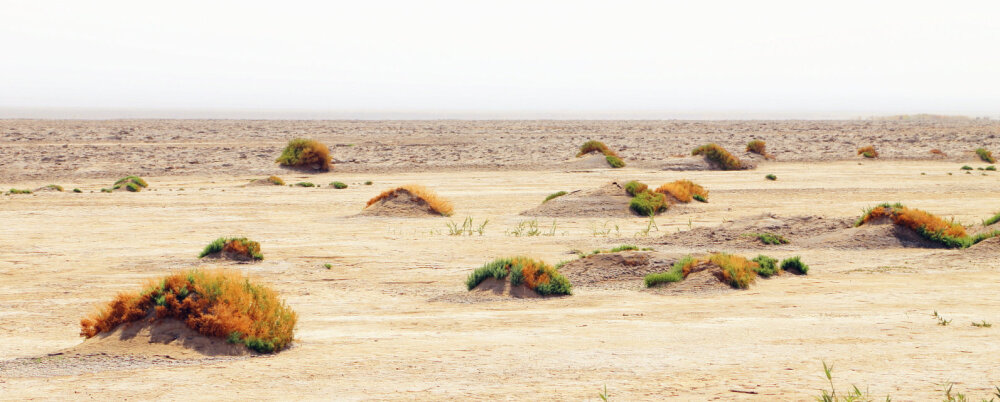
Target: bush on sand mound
x=985 y=155
x=648 y=203
x=233 y=248
x=868 y=152
x=927 y=225
x=131 y=183
x=215 y=303
x=610 y=156
x=556 y=194
x=733 y=270
x=684 y=191
x=416 y=194
x=633 y=188
x=50 y=187
x=535 y=275
x=306 y=154
x=19 y=191
x=719 y=157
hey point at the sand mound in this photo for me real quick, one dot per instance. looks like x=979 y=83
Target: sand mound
x=593 y=160
x=609 y=200
x=161 y=337
x=47 y=189
x=733 y=233
x=624 y=269
x=876 y=234
x=401 y=203
x=987 y=248
x=502 y=287
x=704 y=278
x=688 y=163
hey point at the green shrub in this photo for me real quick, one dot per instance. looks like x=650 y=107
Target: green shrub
x=766 y=266
x=105 y=190
x=595 y=146
x=305 y=184
x=991 y=167
x=769 y=238
x=554 y=195
x=675 y=274
x=771 y=177
x=648 y=203
x=368 y=183
x=338 y=185
x=131 y=183
x=614 y=161
x=633 y=188
x=535 y=275
x=699 y=198
x=966 y=167
x=16 y=191
x=301 y=152
x=55 y=187
x=76 y=190
x=794 y=265
x=719 y=156
x=985 y=155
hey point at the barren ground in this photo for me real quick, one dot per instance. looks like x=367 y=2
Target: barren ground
x=387 y=321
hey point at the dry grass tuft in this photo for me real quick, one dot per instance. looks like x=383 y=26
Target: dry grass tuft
x=276 y=180
x=234 y=247
x=217 y=303
x=936 y=151
x=868 y=152
x=759 y=147
x=930 y=226
x=437 y=204
x=536 y=275
x=305 y=153
x=595 y=146
x=719 y=156
x=985 y=155
x=684 y=191
x=737 y=271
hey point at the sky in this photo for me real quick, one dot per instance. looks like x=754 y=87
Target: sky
x=502 y=59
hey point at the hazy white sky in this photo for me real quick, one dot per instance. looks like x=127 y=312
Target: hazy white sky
x=658 y=57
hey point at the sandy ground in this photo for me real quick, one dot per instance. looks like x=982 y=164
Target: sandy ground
x=379 y=325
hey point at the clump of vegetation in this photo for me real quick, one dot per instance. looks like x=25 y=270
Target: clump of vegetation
x=301 y=152
x=633 y=187
x=131 y=183
x=931 y=227
x=982 y=324
x=338 y=185
x=648 y=203
x=991 y=167
x=554 y=195
x=17 y=191
x=436 y=204
x=966 y=167
x=769 y=238
x=677 y=272
x=305 y=184
x=771 y=177
x=985 y=155
x=794 y=265
x=238 y=247
x=939 y=152
x=759 y=147
x=535 y=275
x=719 y=156
x=766 y=266
x=684 y=191
x=991 y=220
x=216 y=303
x=276 y=180
x=54 y=187
x=76 y=190
x=106 y=190
x=610 y=156
x=614 y=161
x=868 y=152
x=467 y=227
x=368 y=183
x=736 y=270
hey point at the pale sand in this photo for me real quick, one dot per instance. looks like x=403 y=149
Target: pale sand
x=369 y=330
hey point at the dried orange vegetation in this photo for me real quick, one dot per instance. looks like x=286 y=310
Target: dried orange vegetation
x=868 y=152
x=719 y=156
x=683 y=190
x=936 y=151
x=737 y=271
x=437 y=204
x=758 y=147
x=536 y=275
x=688 y=264
x=916 y=219
x=595 y=146
x=218 y=303
x=301 y=152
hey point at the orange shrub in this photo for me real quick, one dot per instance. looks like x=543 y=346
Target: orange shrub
x=683 y=190
x=719 y=156
x=936 y=151
x=592 y=146
x=868 y=152
x=437 y=204
x=758 y=147
x=737 y=271
x=301 y=152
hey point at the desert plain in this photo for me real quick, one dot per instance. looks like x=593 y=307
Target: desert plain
x=392 y=319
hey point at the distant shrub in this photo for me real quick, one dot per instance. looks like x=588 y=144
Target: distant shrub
x=939 y=152
x=966 y=167
x=614 y=161
x=868 y=152
x=736 y=270
x=758 y=147
x=554 y=195
x=771 y=177
x=338 y=185
x=239 y=247
x=276 y=180
x=677 y=272
x=130 y=183
x=766 y=266
x=54 y=187
x=648 y=203
x=769 y=238
x=719 y=156
x=76 y=190
x=985 y=155
x=633 y=187
x=991 y=167
x=948 y=233
x=535 y=275
x=434 y=202
x=595 y=146
x=368 y=183
x=17 y=191
x=217 y=303
x=684 y=191
x=105 y=190
x=305 y=184
x=794 y=265
x=301 y=152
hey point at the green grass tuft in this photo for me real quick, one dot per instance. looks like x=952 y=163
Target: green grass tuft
x=766 y=266
x=991 y=220
x=648 y=203
x=614 y=161
x=719 y=156
x=338 y=185
x=771 y=177
x=633 y=187
x=794 y=265
x=305 y=184
x=130 y=183
x=769 y=238
x=16 y=191
x=536 y=275
x=675 y=274
x=238 y=245
x=76 y=190
x=699 y=198
x=966 y=167
x=985 y=155
x=554 y=195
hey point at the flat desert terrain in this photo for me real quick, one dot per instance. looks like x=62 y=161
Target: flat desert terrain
x=392 y=319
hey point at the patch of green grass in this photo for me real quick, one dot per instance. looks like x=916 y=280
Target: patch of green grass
x=467 y=228
x=648 y=203
x=105 y=190
x=76 y=190
x=338 y=185
x=614 y=161
x=985 y=155
x=771 y=177
x=769 y=238
x=236 y=245
x=633 y=187
x=328 y=266
x=991 y=220
x=554 y=195
x=675 y=274
x=982 y=324
x=719 y=156
x=130 y=183
x=991 y=168
x=536 y=275
x=699 y=198
x=368 y=183
x=766 y=266
x=17 y=191
x=794 y=265
x=624 y=247
x=305 y=184
x=966 y=167
x=55 y=187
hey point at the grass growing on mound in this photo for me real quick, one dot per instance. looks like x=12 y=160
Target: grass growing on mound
x=991 y=167
x=684 y=191
x=991 y=220
x=276 y=180
x=595 y=146
x=633 y=187
x=305 y=184
x=301 y=152
x=771 y=177
x=736 y=270
x=217 y=303
x=648 y=203
x=931 y=227
x=766 y=266
x=614 y=161
x=338 y=185
x=985 y=155
x=758 y=147
x=719 y=156
x=536 y=275
x=769 y=238
x=437 y=204
x=554 y=195
x=54 y=187
x=17 y=191
x=235 y=245
x=868 y=152
x=676 y=273
x=131 y=183
x=794 y=265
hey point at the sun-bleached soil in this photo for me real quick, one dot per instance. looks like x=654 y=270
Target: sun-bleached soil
x=391 y=318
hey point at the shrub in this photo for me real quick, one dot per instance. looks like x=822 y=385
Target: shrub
x=771 y=177
x=554 y=195
x=276 y=180
x=105 y=190
x=624 y=247
x=76 y=190
x=338 y=185
x=16 y=191
x=766 y=266
x=769 y=238
x=966 y=167
x=305 y=184
x=368 y=183
x=985 y=155
x=992 y=220
x=239 y=246
x=794 y=265
x=684 y=191
x=758 y=147
x=614 y=161
x=648 y=203
x=991 y=167
x=929 y=226
x=301 y=152
x=216 y=303
x=633 y=188
x=736 y=271
x=677 y=272
x=719 y=156
x=437 y=204
x=54 y=187
x=130 y=183
x=936 y=151
x=535 y=275
x=699 y=198
x=595 y=146
x=868 y=152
